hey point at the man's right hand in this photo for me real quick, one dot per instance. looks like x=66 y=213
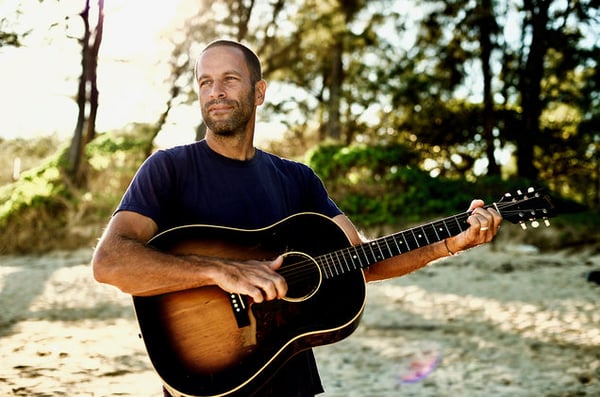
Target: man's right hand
x=256 y=279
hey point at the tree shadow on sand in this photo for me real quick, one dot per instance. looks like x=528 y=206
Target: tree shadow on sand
x=33 y=288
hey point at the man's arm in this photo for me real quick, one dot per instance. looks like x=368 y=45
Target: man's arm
x=122 y=259
x=484 y=224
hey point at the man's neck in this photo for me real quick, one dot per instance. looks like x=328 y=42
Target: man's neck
x=237 y=147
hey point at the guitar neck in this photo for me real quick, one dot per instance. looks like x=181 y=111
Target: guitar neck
x=519 y=209
x=364 y=255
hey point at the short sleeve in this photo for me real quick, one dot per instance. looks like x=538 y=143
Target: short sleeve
x=319 y=198
x=151 y=189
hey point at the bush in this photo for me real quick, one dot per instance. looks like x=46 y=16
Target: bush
x=42 y=211
x=383 y=185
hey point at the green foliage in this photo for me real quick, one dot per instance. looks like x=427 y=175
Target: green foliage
x=380 y=185
x=120 y=151
x=36 y=201
x=42 y=210
x=377 y=184
x=405 y=196
x=24 y=154
x=34 y=189
x=136 y=139
x=334 y=161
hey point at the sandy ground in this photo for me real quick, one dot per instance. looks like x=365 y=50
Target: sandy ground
x=491 y=322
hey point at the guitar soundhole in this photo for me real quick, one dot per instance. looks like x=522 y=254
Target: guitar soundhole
x=302 y=274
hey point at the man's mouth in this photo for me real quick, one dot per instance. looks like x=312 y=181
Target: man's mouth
x=219 y=107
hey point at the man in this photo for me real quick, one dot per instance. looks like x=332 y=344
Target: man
x=224 y=180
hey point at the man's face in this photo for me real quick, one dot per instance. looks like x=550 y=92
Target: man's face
x=226 y=92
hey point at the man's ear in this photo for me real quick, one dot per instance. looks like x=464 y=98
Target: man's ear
x=260 y=88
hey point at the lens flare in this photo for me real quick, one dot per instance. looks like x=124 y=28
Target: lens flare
x=419 y=364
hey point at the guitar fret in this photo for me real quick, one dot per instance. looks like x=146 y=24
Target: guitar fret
x=420 y=238
x=388 y=248
x=425 y=235
x=352 y=257
x=415 y=237
x=428 y=235
x=334 y=265
x=458 y=224
x=328 y=271
x=446 y=226
x=382 y=248
x=405 y=241
x=372 y=254
x=396 y=243
x=344 y=260
x=365 y=254
x=436 y=232
x=356 y=256
x=377 y=259
x=348 y=257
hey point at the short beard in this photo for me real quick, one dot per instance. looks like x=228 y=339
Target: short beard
x=236 y=123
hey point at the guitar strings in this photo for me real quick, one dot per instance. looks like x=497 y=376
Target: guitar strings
x=330 y=267
x=349 y=253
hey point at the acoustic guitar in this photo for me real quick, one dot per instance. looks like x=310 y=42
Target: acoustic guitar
x=206 y=342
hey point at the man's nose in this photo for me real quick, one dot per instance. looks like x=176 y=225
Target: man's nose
x=217 y=90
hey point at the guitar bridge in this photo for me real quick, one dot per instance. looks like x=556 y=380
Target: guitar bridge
x=239 y=305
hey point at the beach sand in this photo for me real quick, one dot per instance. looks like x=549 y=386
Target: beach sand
x=494 y=321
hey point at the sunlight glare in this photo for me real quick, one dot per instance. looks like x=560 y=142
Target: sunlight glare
x=133 y=28
x=41 y=77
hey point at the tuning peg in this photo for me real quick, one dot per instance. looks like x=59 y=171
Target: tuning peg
x=523 y=225
x=535 y=224
x=546 y=222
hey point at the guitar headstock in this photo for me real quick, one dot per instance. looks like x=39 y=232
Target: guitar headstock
x=530 y=207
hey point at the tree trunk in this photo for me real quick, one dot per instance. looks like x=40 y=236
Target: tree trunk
x=87 y=96
x=486 y=22
x=335 y=80
x=530 y=88
x=93 y=74
x=75 y=150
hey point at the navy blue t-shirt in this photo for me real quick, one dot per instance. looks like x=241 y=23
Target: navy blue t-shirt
x=192 y=184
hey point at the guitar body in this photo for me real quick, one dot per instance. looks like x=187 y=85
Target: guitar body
x=206 y=342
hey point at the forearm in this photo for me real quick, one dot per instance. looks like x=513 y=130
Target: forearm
x=483 y=226
x=140 y=270
x=406 y=263
x=123 y=259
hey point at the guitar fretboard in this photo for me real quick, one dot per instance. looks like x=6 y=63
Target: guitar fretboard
x=364 y=255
